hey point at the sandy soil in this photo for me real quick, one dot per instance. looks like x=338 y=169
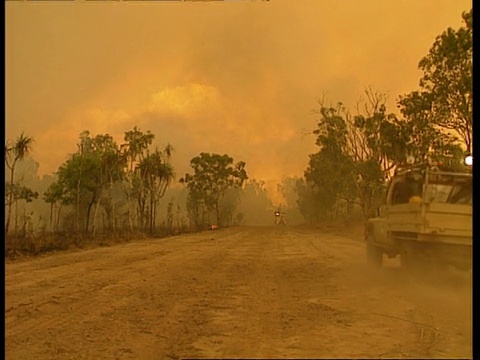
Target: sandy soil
x=246 y=292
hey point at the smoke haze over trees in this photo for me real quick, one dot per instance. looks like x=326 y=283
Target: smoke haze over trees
x=113 y=184
x=185 y=71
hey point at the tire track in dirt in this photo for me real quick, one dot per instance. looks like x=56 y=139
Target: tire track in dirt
x=238 y=292
x=95 y=297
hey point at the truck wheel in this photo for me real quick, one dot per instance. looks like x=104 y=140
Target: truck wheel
x=374 y=253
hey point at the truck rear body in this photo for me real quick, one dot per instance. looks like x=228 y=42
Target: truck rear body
x=438 y=224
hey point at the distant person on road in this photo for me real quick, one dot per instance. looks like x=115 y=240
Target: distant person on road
x=279 y=218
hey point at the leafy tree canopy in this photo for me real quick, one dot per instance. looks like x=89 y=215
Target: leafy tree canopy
x=446 y=96
x=213 y=175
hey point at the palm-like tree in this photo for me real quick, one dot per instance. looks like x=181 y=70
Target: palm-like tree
x=157 y=174
x=14 y=153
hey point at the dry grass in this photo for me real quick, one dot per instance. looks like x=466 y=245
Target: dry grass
x=27 y=247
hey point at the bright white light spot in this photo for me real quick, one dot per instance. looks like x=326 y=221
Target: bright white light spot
x=469 y=160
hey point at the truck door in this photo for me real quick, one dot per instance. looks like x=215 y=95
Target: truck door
x=398 y=193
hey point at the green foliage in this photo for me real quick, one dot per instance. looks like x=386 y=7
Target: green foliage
x=331 y=131
x=17 y=151
x=154 y=174
x=54 y=195
x=356 y=154
x=370 y=184
x=20 y=192
x=89 y=178
x=426 y=139
x=311 y=201
x=82 y=179
x=333 y=177
x=213 y=175
x=136 y=145
x=446 y=99
x=147 y=175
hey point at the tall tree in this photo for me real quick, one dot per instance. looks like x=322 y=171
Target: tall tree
x=112 y=164
x=83 y=178
x=426 y=139
x=54 y=196
x=13 y=154
x=80 y=178
x=213 y=175
x=135 y=149
x=446 y=94
x=310 y=201
x=156 y=174
x=356 y=154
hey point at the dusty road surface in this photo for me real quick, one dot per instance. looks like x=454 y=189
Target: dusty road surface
x=246 y=292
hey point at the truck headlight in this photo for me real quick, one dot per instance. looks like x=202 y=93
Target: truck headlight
x=469 y=160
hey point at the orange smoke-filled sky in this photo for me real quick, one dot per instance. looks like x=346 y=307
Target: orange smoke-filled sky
x=237 y=77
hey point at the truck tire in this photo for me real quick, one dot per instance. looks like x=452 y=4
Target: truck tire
x=374 y=253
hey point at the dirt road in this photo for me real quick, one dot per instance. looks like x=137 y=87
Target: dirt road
x=246 y=292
